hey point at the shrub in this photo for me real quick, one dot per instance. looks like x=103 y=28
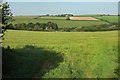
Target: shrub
x=9 y=26
x=20 y=26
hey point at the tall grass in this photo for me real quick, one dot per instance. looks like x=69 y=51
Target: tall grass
x=85 y=54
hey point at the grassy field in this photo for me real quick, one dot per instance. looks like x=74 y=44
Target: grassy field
x=111 y=19
x=61 y=21
x=84 y=54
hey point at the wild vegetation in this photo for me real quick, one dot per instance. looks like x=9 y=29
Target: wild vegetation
x=84 y=54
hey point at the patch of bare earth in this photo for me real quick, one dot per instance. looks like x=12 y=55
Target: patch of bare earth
x=82 y=18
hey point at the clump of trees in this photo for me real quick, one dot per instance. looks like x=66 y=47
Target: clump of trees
x=58 y=15
x=64 y=15
x=102 y=27
x=49 y=26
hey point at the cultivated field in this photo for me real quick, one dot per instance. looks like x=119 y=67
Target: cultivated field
x=82 y=18
x=61 y=21
x=84 y=54
x=111 y=19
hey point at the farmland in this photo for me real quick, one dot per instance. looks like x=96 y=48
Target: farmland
x=61 y=21
x=61 y=40
x=84 y=54
x=82 y=18
x=111 y=19
x=58 y=54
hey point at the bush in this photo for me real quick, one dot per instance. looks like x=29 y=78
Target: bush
x=92 y=28
x=20 y=26
x=9 y=26
x=51 y=26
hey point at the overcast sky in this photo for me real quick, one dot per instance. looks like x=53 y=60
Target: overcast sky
x=62 y=0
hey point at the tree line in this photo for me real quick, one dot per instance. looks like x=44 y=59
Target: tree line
x=49 y=26
x=92 y=28
x=59 y=15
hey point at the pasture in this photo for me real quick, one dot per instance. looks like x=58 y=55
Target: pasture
x=84 y=54
x=61 y=21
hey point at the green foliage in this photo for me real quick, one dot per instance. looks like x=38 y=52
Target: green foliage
x=93 y=28
x=103 y=27
x=6 y=13
x=20 y=26
x=64 y=15
x=33 y=27
x=9 y=26
x=52 y=25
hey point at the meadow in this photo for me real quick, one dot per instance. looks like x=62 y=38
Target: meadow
x=83 y=54
x=61 y=21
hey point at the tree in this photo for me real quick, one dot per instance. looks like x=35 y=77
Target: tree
x=6 y=14
x=30 y=26
x=55 y=27
x=9 y=26
x=52 y=26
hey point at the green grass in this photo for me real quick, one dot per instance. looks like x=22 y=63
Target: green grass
x=111 y=19
x=85 y=54
x=61 y=21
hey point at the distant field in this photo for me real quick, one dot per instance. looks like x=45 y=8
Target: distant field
x=61 y=21
x=82 y=18
x=85 y=54
x=110 y=19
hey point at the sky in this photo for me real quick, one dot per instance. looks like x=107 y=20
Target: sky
x=53 y=8
x=62 y=0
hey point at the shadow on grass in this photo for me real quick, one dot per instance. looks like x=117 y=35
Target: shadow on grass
x=28 y=62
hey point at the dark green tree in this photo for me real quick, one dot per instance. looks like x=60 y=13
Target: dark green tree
x=6 y=14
